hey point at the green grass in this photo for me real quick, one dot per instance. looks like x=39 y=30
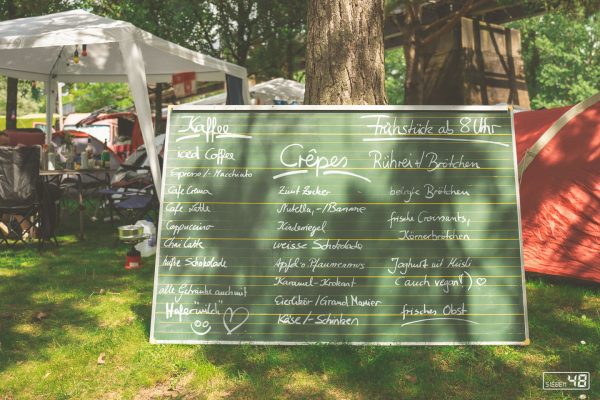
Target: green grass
x=92 y=305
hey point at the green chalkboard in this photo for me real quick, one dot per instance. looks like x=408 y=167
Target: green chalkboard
x=359 y=225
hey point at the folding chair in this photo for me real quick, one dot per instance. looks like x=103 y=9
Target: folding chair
x=20 y=187
x=132 y=204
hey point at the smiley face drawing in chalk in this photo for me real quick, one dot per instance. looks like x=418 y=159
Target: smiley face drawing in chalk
x=229 y=314
x=200 y=327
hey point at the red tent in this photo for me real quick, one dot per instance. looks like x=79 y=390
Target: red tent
x=560 y=194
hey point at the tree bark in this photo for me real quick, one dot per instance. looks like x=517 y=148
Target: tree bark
x=413 y=82
x=344 y=54
x=11 y=102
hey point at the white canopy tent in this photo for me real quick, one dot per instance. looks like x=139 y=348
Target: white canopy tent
x=42 y=48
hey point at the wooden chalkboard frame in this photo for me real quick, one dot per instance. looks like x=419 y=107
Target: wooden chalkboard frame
x=382 y=108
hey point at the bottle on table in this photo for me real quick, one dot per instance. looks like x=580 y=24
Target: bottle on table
x=70 y=157
x=105 y=156
x=84 y=160
x=89 y=149
x=44 y=157
x=51 y=157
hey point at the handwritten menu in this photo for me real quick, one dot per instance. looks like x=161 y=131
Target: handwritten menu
x=359 y=225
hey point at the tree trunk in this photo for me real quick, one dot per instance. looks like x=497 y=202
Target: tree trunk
x=344 y=53
x=11 y=102
x=413 y=83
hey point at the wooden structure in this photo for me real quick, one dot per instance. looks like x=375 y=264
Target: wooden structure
x=477 y=61
x=435 y=12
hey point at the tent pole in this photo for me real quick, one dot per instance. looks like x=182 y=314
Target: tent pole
x=51 y=91
x=59 y=92
x=50 y=105
x=136 y=74
x=246 y=91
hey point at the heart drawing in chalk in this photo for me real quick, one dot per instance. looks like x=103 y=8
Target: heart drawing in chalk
x=480 y=281
x=230 y=314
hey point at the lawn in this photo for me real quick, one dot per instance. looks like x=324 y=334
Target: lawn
x=74 y=325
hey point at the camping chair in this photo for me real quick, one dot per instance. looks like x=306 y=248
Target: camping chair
x=131 y=202
x=131 y=205
x=21 y=198
x=135 y=206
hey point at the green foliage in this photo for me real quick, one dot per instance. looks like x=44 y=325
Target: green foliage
x=569 y=7
x=10 y=9
x=265 y=36
x=561 y=55
x=395 y=73
x=87 y=97
x=26 y=104
x=185 y=22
